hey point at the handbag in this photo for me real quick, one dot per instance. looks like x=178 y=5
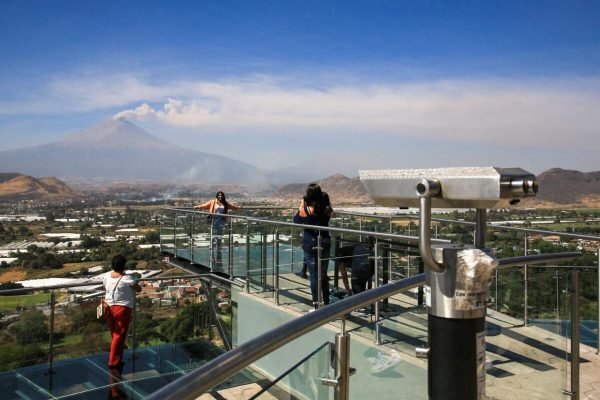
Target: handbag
x=101 y=310
x=104 y=308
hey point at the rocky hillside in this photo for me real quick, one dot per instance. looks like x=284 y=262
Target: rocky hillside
x=562 y=187
x=340 y=188
x=18 y=187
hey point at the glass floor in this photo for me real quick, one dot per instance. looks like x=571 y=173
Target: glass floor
x=145 y=371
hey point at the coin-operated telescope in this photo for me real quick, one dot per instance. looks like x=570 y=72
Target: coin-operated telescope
x=457 y=276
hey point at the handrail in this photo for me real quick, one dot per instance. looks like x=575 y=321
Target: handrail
x=266 y=388
x=445 y=220
x=514 y=228
x=215 y=371
x=536 y=258
x=314 y=227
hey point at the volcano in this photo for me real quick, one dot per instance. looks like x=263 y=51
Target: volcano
x=120 y=150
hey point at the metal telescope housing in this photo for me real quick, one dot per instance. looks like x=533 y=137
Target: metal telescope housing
x=459 y=187
x=457 y=277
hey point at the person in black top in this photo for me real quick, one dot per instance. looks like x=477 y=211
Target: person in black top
x=315 y=209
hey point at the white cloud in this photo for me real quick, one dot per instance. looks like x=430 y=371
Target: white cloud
x=532 y=112
x=555 y=112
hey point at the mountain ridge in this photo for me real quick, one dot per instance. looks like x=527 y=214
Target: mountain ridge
x=558 y=188
x=116 y=149
x=24 y=187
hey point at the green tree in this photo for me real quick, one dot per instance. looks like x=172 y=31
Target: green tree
x=90 y=242
x=181 y=328
x=13 y=356
x=31 y=328
x=152 y=237
x=10 y=285
x=146 y=329
x=23 y=230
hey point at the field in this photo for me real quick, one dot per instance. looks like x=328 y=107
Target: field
x=13 y=275
x=20 y=274
x=12 y=302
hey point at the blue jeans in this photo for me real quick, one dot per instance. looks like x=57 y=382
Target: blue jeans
x=310 y=258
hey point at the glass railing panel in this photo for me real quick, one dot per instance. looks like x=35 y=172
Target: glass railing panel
x=524 y=354
x=167 y=231
x=24 y=338
x=262 y=256
x=383 y=370
x=303 y=380
x=201 y=240
x=589 y=303
x=223 y=312
x=78 y=331
x=372 y=223
x=292 y=287
x=176 y=331
x=170 y=311
x=258 y=240
x=183 y=235
x=238 y=244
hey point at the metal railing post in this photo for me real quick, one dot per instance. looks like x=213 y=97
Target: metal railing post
x=292 y=250
x=247 y=256
x=175 y=235
x=276 y=258
x=209 y=290
x=230 y=269
x=526 y=289
x=192 y=240
x=574 y=390
x=319 y=279
x=496 y=291
x=336 y=266
x=160 y=232
x=480 y=227
x=51 y=333
x=134 y=325
x=263 y=259
x=342 y=366
x=598 y=306
x=376 y=279
x=212 y=247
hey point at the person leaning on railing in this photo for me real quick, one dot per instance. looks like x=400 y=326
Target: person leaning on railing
x=218 y=205
x=120 y=297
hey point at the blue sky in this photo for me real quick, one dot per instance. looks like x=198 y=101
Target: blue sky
x=334 y=85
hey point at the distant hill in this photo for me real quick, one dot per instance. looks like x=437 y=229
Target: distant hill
x=560 y=187
x=22 y=187
x=557 y=188
x=7 y=176
x=340 y=188
x=120 y=150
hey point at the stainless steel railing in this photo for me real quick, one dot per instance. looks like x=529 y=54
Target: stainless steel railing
x=209 y=375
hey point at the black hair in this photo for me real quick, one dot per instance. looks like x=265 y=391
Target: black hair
x=326 y=210
x=314 y=197
x=313 y=194
x=326 y=201
x=224 y=200
x=118 y=263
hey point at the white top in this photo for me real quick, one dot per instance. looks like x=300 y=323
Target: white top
x=123 y=295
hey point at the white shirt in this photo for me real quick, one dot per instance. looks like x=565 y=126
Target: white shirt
x=123 y=295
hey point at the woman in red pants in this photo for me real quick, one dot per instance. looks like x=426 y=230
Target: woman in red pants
x=120 y=296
